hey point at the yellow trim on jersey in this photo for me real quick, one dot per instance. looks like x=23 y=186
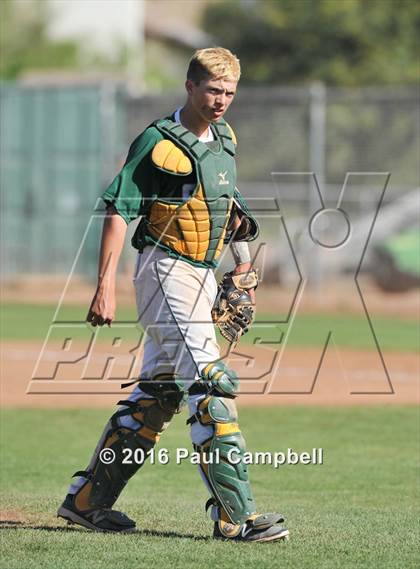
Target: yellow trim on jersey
x=232 y=134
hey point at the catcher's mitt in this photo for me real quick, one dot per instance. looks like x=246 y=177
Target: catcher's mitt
x=233 y=312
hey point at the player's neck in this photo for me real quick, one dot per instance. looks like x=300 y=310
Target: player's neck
x=192 y=121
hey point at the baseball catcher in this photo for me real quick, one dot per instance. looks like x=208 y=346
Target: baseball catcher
x=180 y=179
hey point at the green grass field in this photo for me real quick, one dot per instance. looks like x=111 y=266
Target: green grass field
x=358 y=510
x=31 y=322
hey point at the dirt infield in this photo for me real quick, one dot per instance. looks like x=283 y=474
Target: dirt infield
x=346 y=377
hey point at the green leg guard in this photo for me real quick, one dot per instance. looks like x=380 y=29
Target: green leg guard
x=227 y=479
x=151 y=416
x=232 y=504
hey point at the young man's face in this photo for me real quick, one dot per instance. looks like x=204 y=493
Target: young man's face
x=211 y=98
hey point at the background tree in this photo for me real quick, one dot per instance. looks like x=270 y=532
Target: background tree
x=348 y=42
x=24 y=43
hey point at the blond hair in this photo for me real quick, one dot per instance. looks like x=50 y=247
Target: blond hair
x=214 y=63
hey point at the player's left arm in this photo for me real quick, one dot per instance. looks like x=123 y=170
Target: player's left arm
x=242 y=227
x=241 y=255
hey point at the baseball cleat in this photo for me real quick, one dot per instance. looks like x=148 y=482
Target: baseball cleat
x=262 y=528
x=104 y=520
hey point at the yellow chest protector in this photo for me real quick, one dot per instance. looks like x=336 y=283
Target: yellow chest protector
x=194 y=229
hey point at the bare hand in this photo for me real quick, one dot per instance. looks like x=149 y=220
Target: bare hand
x=102 y=308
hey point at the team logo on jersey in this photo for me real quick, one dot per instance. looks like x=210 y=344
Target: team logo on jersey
x=222 y=181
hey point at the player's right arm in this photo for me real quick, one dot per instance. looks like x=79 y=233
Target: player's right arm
x=125 y=200
x=102 y=308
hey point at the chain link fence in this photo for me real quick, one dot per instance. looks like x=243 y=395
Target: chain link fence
x=61 y=146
